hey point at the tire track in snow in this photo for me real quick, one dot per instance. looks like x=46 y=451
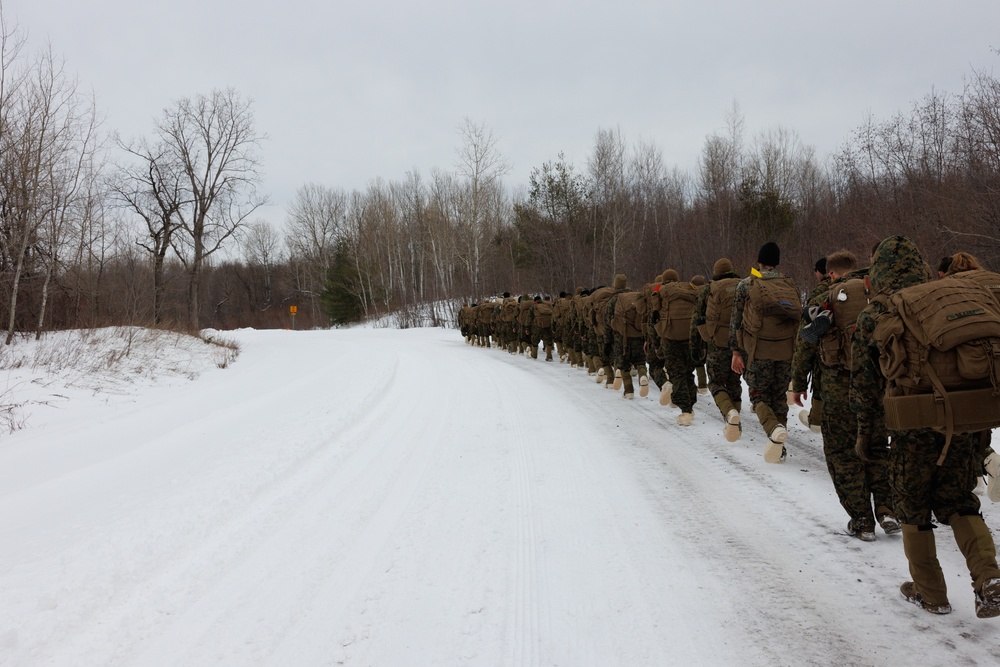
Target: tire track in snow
x=720 y=519
x=524 y=615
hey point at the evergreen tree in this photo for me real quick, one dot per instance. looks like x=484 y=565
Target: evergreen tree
x=341 y=297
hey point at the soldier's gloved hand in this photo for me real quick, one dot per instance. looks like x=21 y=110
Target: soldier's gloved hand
x=863 y=448
x=820 y=322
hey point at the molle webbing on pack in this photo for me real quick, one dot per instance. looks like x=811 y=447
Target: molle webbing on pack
x=629 y=315
x=676 y=307
x=770 y=319
x=543 y=314
x=846 y=301
x=718 y=311
x=598 y=304
x=939 y=346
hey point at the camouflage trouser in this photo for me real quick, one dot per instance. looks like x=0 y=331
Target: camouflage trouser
x=627 y=353
x=590 y=344
x=721 y=377
x=680 y=369
x=655 y=361
x=921 y=488
x=542 y=335
x=768 y=383
x=509 y=334
x=856 y=482
x=605 y=343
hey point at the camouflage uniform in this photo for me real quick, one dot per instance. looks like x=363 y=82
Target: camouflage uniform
x=921 y=489
x=525 y=315
x=724 y=385
x=856 y=482
x=541 y=329
x=657 y=369
x=816 y=406
x=626 y=351
x=767 y=380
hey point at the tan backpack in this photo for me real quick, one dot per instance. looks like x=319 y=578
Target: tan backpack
x=846 y=301
x=629 y=315
x=939 y=345
x=718 y=311
x=676 y=307
x=770 y=319
x=543 y=314
x=987 y=279
x=599 y=299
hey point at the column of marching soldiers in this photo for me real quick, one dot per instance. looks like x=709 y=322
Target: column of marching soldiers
x=904 y=371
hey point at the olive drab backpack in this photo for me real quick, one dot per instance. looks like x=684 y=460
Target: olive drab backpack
x=770 y=319
x=629 y=315
x=718 y=311
x=845 y=302
x=676 y=307
x=939 y=350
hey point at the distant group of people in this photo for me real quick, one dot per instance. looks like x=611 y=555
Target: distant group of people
x=903 y=370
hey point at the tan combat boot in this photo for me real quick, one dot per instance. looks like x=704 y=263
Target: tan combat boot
x=731 y=415
x=665 y=393
x=617 y=384
x=626 y=380
x=702 y=380
x=976 y=543
x=643 y=382
x=992 y=467
x=928 y=589
x=774 y=449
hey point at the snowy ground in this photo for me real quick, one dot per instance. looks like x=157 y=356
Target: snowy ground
x=382 y=497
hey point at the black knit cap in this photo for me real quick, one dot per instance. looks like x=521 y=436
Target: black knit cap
x=821 y=265
x=769 y=254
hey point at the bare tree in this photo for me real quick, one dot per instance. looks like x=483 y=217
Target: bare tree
x=314 y=222
x=483 y=166
x=46 y=138
x=213 y=141
x=152 y=187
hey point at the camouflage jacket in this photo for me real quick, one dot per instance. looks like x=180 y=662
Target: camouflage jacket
x=896 y=264
x=822 y=287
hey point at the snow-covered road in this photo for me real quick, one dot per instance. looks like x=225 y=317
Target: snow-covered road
x=381 y=497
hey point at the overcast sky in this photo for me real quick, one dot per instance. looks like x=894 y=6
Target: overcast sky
x=351 y=91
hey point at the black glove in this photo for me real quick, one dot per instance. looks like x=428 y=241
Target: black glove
x=819 y=323
x=863 y=448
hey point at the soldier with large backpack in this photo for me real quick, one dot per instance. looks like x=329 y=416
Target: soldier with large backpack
x=825 y=341
x=813 y=417
x=627 y=313
x=601 y=298
x=964 y=265
x=713 y=309
x=672 y=321
x=926 y=356
x=766 y=311
x=657 y=370
x=541 y=328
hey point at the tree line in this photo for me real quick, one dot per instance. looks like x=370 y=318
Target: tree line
x=161 y=230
